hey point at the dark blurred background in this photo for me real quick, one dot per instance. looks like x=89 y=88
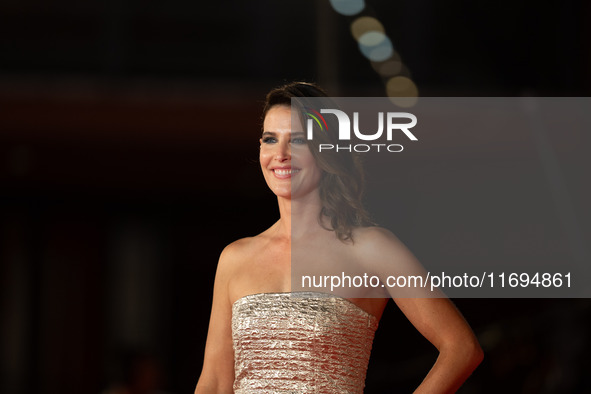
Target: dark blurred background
x=128 y=150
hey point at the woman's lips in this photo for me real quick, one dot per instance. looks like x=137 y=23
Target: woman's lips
x=283 y=173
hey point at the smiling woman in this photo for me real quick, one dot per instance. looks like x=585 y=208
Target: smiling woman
x=287 y=164
x=264 y=337
x=341 y=182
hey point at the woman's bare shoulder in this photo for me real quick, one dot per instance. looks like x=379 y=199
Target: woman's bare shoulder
x=238 y=248
x=379 y=247
x=243 y=248
x=373 y=238
x=232 y=258
x=239 y=263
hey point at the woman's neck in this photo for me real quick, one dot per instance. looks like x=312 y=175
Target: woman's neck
x=298 y=217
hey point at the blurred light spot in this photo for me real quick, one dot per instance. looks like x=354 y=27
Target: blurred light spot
x=348 y=7
x=402 y=91
x=404 y=102
x=376 y=46
x=388 y=68
x=401 y=87
x=372 y=38
x=365 y=24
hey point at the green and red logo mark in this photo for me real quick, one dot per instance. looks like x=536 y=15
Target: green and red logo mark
x=317 y=117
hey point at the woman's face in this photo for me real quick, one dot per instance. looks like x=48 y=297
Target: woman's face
x=286 y=161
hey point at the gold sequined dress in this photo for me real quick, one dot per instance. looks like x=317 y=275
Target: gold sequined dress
x=300 y=343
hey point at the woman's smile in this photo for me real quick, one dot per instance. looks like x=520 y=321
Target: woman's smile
x=285 y=172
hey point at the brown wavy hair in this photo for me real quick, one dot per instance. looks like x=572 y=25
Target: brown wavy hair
x=341 y=184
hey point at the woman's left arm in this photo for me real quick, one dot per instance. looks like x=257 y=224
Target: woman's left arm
x=433 y=315
x=438 y=320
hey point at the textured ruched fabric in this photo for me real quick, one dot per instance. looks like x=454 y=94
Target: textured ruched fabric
x=300 y=343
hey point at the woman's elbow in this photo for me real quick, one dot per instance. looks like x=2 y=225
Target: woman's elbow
x=473 y=354
x=466 y=352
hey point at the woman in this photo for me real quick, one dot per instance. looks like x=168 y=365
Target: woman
x=263 y=339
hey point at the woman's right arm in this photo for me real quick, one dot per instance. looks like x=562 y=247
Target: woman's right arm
x=217 y=375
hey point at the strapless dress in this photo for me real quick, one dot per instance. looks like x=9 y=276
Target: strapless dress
x=300 y=343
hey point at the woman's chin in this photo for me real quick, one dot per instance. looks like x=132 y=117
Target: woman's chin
x=294 y=191
x=282 y=193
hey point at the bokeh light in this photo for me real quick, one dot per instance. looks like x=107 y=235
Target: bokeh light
x=402 y=91
x=365 y=24
x=390 y=67
x=376 y=46
x=348 y=7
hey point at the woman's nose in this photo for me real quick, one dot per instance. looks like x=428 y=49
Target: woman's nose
x=283 y=151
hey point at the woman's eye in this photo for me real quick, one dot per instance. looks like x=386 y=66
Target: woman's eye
x=269 y=140
x=298 y=141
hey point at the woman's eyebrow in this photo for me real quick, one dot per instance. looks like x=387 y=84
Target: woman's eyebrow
x=273 y=133
x=292 y=135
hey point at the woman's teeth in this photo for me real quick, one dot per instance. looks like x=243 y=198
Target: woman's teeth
x=290 y=171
